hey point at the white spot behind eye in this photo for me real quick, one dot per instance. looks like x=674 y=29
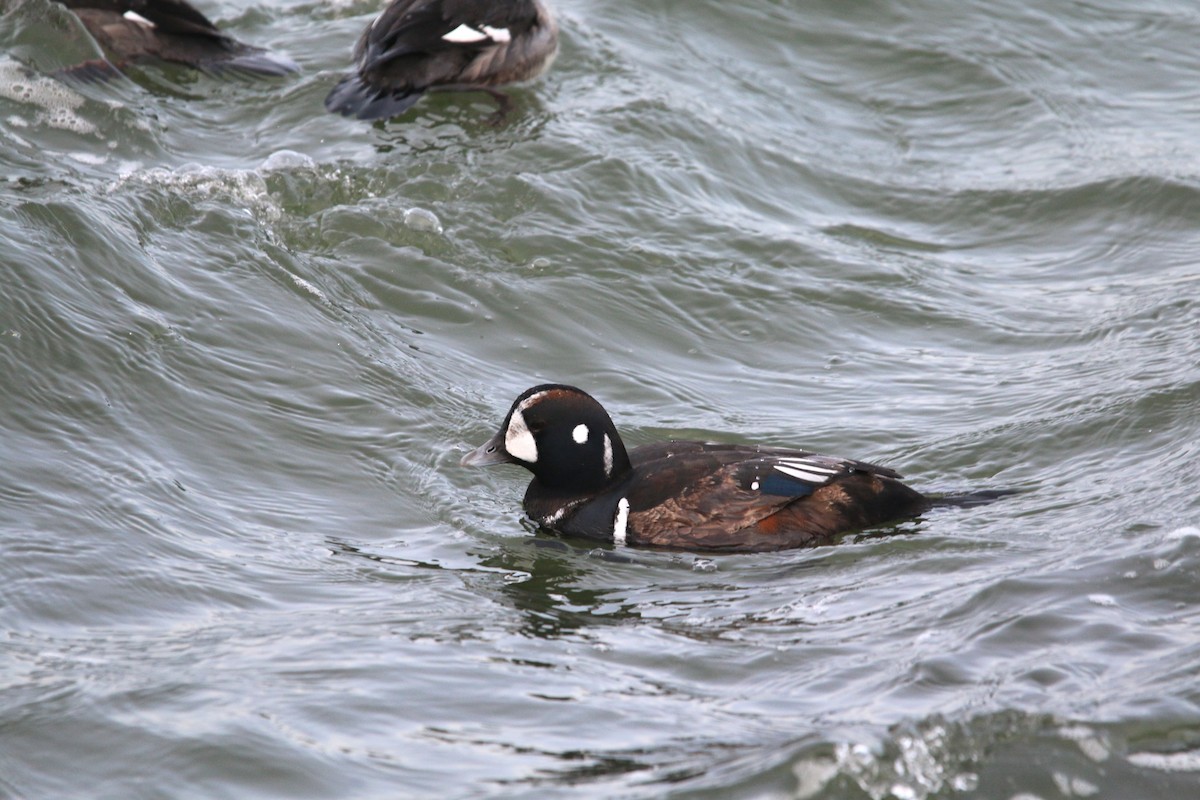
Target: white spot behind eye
x=518 y=441
x=621 y=523
x=580 y=433
x=133 y=16
x=754 y=486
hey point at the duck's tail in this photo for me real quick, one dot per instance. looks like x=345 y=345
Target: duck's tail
x=354 y=97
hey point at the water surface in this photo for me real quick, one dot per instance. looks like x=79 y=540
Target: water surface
x=239 y=362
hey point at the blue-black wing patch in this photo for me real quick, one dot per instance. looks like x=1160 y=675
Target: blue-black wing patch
x=793 y=475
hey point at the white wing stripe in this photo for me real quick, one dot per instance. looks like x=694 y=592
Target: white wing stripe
x=133 y=16
x=809 y=465
x=811 y=477
x=465 y=34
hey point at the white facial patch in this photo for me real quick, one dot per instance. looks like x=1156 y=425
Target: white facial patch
x=133 y=16
x=466 y=34
x=580 y=433
x=518 y=441
x=607 y=456
x=621 y=523
x=805 y=470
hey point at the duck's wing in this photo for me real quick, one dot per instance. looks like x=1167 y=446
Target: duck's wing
x=733 y=497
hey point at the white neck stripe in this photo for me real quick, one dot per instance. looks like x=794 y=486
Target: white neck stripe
x=621 y=523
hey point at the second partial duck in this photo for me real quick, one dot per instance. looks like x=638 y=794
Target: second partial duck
x=416 y=46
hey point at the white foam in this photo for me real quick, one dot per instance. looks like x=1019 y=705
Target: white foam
x=244 y=187
x=92 y=159
x=1186 y=532
x=1187 y=761
x=58 y=103
x=310 y=288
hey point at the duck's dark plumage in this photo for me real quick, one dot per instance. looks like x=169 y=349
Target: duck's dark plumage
x=133 y=31
x=683 y=494
x=418 y=45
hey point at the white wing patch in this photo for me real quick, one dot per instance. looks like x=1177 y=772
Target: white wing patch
x=805 y=470
x=608 y=457
x=621 y=523
x=466 y=34
x=133 y=16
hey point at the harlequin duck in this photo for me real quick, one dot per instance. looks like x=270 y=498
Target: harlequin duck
x=681 y=494
x=420 y=45
x=132 y=31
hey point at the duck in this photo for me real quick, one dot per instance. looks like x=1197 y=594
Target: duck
x=416 y=46
x=138 y=31
x=690 y=495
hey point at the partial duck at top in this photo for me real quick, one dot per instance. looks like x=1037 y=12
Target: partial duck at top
x=416 y=46
x=139 y=31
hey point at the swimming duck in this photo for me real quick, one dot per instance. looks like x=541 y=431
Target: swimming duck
x=134 y=31
x=687 y=494
x=419 y=45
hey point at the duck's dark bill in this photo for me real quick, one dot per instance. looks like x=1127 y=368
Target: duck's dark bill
x=490 y=452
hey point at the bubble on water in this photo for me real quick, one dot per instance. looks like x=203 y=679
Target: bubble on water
x=704 y=565
x=57 y=102
x=420 y=219
x=1106 y=600
x=287 y=159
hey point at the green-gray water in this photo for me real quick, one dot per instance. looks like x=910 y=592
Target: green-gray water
x=239 y=362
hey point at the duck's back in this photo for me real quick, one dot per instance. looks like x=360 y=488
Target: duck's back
x=737 y=497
